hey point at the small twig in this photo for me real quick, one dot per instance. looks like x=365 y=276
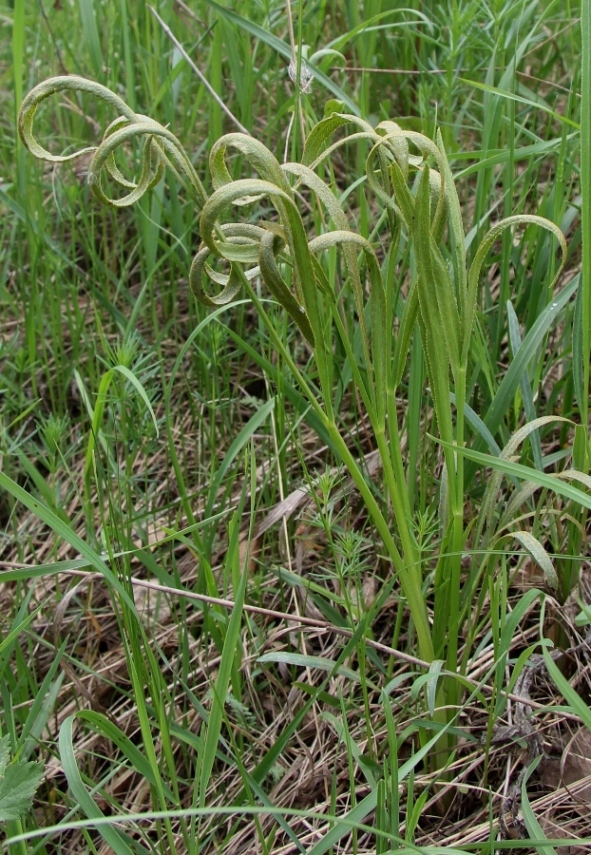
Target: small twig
x=188 y=10
x=321 y=626
x=205 y=82
x=60 y=60
x=259 y=610
x=416 y=72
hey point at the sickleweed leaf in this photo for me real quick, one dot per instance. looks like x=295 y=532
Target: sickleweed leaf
x=257 y=155
x=575 y=475
x=333 y=105
x=457 y=231
x=378 y=301
x=436 y=293
x=323 y=131
x=270 y=246
x=325 y=195
x=520 y=435
x=379 y=178
x=303 y=308
x=393 y=134
x=518 y=500
x=359 y=297
x=51 y=87
x=540 y=556
x=406 y=330
x=161 y=147
x=231 y=284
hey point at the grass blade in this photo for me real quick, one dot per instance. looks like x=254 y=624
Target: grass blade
x=117 y=840
x=526 y=473
x=227 y=663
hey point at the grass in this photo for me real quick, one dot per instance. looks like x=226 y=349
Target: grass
x=295 y=465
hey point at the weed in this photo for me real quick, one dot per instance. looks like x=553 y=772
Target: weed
x=377 y=334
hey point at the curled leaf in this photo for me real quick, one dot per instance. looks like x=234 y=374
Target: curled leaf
x=160 y=147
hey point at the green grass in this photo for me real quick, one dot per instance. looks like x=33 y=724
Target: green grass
x=294 y=487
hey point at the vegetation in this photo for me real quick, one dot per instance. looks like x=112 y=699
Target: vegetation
x=295 y=460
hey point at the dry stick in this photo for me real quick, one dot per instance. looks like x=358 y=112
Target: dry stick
x=414 y=72
x=205 y=82
x=316 y=624
x=259 y=610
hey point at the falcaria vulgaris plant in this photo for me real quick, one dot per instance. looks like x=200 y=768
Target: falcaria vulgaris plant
x=434 y=295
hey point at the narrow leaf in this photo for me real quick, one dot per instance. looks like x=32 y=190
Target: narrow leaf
x=540 y=556
x=526 y=473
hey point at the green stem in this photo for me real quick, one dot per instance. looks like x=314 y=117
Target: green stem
x=409 y=574
x=457 y=540
x=408 y=571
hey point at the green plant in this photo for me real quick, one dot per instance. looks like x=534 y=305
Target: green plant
x=342 y=295
x=19 y=780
